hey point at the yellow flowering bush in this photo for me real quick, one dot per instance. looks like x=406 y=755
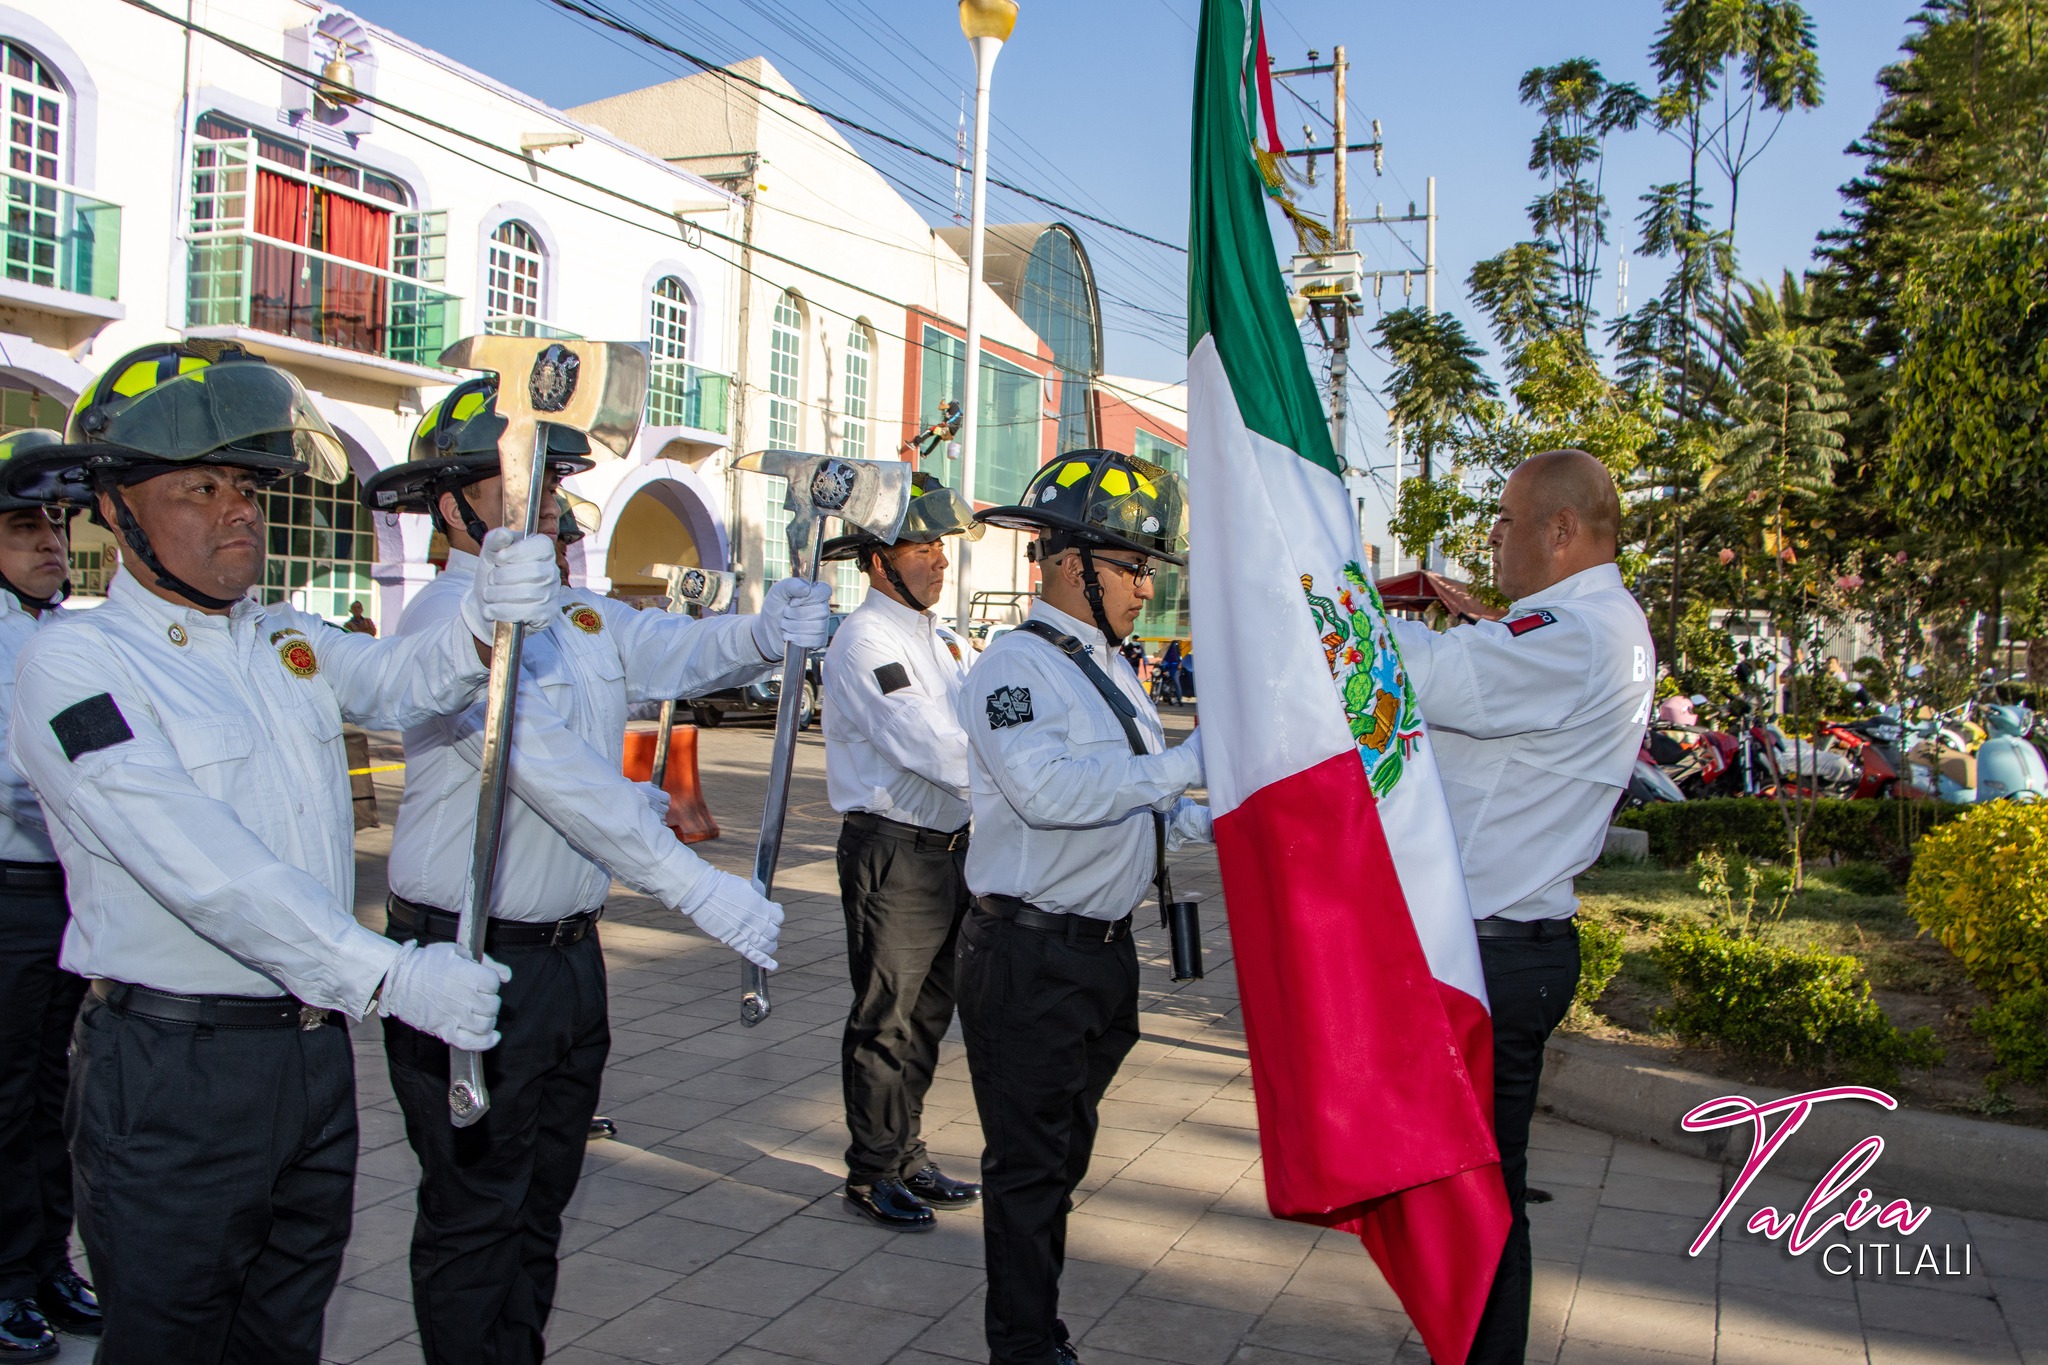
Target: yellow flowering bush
x=1980 y=886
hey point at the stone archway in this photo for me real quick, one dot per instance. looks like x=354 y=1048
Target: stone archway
x=662 y=513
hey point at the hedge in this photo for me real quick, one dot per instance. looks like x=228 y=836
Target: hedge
x=1980 y=886
x=1797 y=1006
x=1750 y=825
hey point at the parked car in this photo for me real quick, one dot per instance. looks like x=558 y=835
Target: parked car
x=765 y=697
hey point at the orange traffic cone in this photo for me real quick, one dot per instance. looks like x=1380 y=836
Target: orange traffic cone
x=687 y=814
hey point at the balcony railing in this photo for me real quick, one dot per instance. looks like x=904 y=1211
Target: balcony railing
x=249 y=280
x=513 y=325
x=57 y=237
x=680 y=394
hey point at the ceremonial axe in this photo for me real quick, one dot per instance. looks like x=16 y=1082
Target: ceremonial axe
x=870 y=496
x=600 y=389
x=695 y=592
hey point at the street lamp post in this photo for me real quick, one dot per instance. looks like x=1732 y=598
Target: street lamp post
x=987 y=24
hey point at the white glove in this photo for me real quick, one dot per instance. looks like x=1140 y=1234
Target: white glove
x=439 y=991
x=793 y=613
x=1186 y=761
x=516 y=580
x=1189 y=822
x=729 y=910
x=657 y=799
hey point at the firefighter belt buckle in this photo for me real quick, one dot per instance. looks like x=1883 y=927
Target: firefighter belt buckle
x=311 y=1017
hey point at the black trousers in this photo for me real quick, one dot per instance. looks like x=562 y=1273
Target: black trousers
x=1529 y=984
x=904 y=893
x=215 y=1173
x=489 y=1222
x=38 y=1005
x=1048 y=1021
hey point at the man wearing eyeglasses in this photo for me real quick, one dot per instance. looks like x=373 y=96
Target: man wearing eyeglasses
x=1072 y=784
x=896 y=768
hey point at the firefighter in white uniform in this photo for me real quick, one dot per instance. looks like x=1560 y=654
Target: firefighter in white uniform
x=1536 y=720
x=489 y=1218
x=1065 y=845
x=896 y=769
x=186 y=743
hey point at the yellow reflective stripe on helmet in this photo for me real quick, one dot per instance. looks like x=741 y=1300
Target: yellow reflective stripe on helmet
x=1071 y=474
x=1116 y=483
x=469 y=404
x=135 y=379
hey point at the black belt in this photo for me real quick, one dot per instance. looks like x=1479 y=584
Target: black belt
x=1539 y=929
x=931 y=840
x=31 y=876
x=430 y=924
x=1075 y=928
x=214 y=1011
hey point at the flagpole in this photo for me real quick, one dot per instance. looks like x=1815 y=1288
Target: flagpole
x=987 y=24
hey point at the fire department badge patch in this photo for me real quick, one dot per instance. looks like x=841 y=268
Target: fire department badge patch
x=1008 y=706
x=298 y=656
x=585 y=619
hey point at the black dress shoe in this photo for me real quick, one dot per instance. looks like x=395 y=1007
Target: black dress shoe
x=23 y=1333
x=602 y=1128
x=1063 y=1354
x=69 y=1304
x=1532 y=1195
x=940 y=1190
x=893 y=1206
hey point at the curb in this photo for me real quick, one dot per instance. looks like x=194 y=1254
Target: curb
x=1940 y=1159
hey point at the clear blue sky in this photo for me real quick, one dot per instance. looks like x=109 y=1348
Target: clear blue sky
x=1092 y=101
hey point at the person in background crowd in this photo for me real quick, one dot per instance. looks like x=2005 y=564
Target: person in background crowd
x=38 y=999
x=357 y=622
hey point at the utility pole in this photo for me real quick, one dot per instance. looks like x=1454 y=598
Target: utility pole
x=1340 y=338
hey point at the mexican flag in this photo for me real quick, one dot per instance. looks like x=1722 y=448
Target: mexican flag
x=1364 y=1005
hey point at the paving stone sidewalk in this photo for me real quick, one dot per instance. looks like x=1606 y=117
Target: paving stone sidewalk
x=711 y=1230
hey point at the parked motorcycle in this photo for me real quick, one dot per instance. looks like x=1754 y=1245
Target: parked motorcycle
x=2009 y=768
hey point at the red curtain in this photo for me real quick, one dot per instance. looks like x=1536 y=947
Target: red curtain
x=352 y=309
x=280 y=300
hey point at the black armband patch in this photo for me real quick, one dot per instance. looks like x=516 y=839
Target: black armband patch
x=892 y=678
x=95 y=723
x=1008 y=706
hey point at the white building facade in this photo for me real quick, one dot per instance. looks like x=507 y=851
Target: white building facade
x=346 y=203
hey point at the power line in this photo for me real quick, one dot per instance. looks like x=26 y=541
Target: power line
x=641 y=35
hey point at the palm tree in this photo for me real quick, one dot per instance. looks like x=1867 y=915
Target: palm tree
x=1437 y=382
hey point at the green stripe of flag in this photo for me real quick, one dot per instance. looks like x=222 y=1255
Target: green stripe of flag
x=1234 y=289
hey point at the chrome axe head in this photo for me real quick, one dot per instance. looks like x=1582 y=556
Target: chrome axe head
x=693 y=589
x=596 y=387
x=867 y=495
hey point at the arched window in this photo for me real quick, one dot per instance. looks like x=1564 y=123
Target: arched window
x=853 y=431
x=785 y=429
x=673 y=396
x=668 y=320
x=38 y=123
x=514 y=284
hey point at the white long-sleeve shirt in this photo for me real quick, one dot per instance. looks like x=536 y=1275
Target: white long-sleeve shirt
x=24 y=837
x=574 y=822
x=1536 y=720
x=893 y=742
x=193 y=773
x=1062 y=807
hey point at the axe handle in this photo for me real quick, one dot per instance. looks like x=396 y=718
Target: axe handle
x=754 y=1004
x=659 y=774
x=468 y=1099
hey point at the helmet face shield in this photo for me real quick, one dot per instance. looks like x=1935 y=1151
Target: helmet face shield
x=240 y=413
x=938 y=513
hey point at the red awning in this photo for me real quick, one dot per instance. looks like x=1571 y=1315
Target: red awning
x=1420 y=589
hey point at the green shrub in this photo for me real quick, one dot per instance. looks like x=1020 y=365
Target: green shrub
x=2017 y=1029
x=1796 y=1006
x=1599 y=960
x=1980 y=886
x=1862 y=831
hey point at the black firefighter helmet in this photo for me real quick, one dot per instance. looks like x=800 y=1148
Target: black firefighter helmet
x=1102 y=499
x=456 y=445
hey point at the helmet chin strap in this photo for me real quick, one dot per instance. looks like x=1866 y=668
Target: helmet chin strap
x=137 y=540
x=472 y=524
x=1092 y=586
x=896 y=581
x=38 y=603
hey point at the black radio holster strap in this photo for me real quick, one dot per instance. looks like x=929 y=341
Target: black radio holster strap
x=1127 y=716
